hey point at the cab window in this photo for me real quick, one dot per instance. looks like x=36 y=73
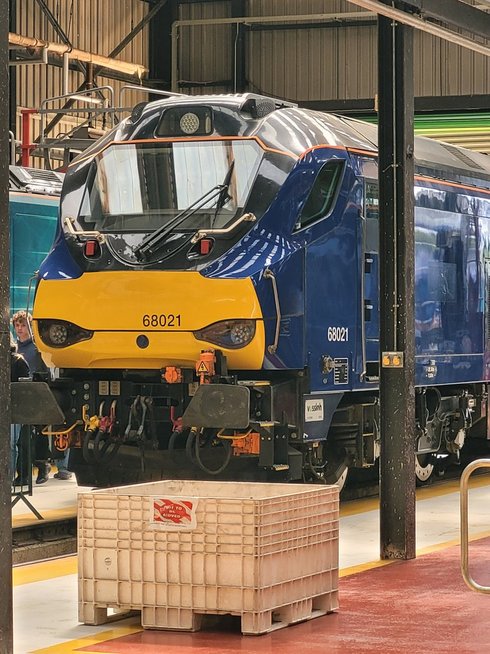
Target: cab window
x=323 y=193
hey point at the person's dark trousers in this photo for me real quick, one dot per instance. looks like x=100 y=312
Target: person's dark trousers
x=41 y=455
x=24 y=454
x=41 y=445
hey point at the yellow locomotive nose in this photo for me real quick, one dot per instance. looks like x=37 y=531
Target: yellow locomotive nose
x=147 y=320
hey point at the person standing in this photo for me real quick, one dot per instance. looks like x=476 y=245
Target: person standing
x=18 y=370
x=22 y=323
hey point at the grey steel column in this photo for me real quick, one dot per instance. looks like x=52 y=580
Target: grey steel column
x=397 y=392
x=12 y=70
x=6 y=628
x=160 y=47
x=239 y=78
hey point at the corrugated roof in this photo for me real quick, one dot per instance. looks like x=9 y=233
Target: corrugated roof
x=470 y=131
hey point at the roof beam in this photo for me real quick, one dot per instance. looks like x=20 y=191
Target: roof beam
x=420 y=23
x=454 y=13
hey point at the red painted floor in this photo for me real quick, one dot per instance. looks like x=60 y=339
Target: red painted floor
x=417 y=606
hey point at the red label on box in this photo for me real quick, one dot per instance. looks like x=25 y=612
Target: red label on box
x=177 y=513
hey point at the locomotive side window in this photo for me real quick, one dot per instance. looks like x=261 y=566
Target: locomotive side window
x=371 y=215
x=323 y=193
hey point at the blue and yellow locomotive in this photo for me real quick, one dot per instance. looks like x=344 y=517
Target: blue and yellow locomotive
x=211 y=298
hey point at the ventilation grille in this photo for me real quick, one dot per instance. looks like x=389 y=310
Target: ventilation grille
x=34 y=180
x=459 y=154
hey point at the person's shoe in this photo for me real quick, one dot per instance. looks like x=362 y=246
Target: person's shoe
x=63 y=474
x=20 y=481
x=43 y=473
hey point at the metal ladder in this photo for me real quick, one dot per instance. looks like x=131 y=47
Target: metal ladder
x=474 y=465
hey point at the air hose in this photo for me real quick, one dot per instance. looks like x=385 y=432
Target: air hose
x=193 y=447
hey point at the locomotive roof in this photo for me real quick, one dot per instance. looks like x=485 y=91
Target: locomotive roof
x=288 y=127
x=285 y=126
x=305 y=128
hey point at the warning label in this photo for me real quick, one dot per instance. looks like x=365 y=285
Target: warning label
x=202 y=367
x=174 y=514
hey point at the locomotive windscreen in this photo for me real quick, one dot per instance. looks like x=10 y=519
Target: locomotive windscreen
x=139 y=187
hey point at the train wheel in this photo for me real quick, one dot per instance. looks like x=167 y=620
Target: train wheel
x=342 y=479
x=441 y=464
x=424 y=468
x=336 y=475
x=335 y=469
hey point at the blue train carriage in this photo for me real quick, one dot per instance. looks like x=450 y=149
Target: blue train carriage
x=212 y=298
x=33 y=210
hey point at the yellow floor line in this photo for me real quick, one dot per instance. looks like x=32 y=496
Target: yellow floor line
x=74 y=646
x=354 y=507
x=437 y=490
x=49 y=515
x=362 y=567
x=45 y=570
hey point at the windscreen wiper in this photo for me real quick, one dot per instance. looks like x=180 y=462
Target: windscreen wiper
x=224 y=195
x=150 y=245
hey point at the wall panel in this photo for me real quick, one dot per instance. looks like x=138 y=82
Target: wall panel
x=320 y=64
x=90 y=25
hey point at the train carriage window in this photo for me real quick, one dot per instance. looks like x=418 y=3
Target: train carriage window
x=323 y=193
x=371 y=215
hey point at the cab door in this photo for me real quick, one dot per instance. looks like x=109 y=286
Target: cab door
x=331 y=277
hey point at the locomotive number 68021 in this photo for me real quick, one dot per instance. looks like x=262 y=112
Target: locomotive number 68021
x=161 y=320
x=338 y=334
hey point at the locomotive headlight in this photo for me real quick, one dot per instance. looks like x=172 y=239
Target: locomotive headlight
x=193 y=120
x=242 y=333
x=231 y=334
x=189 y=123
x=60 y=333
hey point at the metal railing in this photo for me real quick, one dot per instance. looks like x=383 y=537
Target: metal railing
x=470 y=582
x=97 y=115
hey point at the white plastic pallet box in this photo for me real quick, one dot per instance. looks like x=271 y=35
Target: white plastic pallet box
x=176 y=550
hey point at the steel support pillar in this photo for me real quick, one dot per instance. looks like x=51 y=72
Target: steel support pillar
x=396 y=224
x=238 y=48
x=13 y=72
x=6 y=626
x=160 y=47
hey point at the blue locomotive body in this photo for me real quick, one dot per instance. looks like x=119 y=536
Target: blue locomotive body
x=241 y=234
